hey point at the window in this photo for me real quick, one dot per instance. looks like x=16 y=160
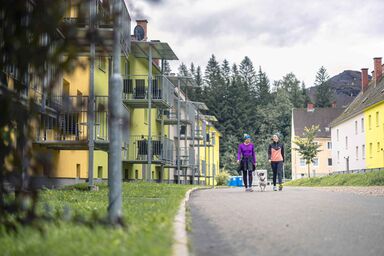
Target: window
x=370 y=150
x=337 y=134
x=302 y=162
x=363 y=151
x=355 y=127
x=338 y=156
x=100 y=172
x=78 y=171
x=102 y=64
x=378 y=146
x=316 y=162
x=369 y=122
x=329 y=161
x=327 y=129
x=357 y=153
x=377 y=119
x=362 y=124
x=346 y=142
x=329 y=145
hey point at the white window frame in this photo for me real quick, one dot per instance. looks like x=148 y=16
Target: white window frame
x=315 y=163
x=346 y=142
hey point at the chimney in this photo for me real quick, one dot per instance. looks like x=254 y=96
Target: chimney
x=334 y=104
x=310 y=107
x=377 y=68
x=364 y=79
x=143 y=24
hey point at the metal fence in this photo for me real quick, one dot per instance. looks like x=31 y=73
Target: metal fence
x=70 y=120
x=77 y=12
x=136 y=88
x=187 y=157
x=162 y=148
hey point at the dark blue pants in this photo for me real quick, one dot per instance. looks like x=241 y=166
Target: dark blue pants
x=277 y=169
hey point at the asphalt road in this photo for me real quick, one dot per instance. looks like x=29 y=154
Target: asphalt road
x=296 y=221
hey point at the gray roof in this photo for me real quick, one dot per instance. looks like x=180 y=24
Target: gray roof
x=372 y=95
x=320 y=116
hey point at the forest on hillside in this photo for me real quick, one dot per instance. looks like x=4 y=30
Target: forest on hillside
x=244 y=100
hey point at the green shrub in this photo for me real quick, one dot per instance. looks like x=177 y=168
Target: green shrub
x=222 y=178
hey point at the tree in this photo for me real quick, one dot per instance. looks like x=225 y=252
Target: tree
x=262 y=88
x=248 y=73
x=212 y=76
x=183 y=70
x=192 y=69
x=31 y=47
x=323 y=90
x=167 y=68
x=307 y=147
x=306 y=97
x=291 y=84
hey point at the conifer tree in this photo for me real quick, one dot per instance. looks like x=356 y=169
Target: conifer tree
x=323 y=92
x=167 y=68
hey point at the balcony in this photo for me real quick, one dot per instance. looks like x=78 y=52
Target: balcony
x=187 y=115
x=135 y=92
x=78 y=12
x=68 y=127
x=187 y=158
x=162 y=150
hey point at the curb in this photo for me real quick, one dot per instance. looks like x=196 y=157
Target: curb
x=180 y=238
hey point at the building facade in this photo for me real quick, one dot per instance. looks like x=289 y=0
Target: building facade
x=162 y=128
x=306 y=117
x=358 y=133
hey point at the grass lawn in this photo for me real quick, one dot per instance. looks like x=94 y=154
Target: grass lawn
x=149 y=210
x=375 y=178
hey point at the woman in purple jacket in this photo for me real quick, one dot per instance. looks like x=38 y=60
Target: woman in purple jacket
x=246 y=157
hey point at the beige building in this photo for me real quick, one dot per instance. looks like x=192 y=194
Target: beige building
x=306 y=117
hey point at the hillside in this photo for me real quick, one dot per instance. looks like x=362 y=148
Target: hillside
x=345 y=87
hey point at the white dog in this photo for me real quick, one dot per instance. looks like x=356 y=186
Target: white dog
x=262 y=181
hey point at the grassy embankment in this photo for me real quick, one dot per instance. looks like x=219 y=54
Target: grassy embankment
x=149 y=210
x=375 y=178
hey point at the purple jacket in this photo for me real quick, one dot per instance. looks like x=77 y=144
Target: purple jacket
x=246 y=151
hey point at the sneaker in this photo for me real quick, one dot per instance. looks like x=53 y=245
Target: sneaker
x=246 y=189
x=274 y=188
x=280 y=187
x=250 y=190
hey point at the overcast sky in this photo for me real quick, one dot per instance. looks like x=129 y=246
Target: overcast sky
x=281 y=36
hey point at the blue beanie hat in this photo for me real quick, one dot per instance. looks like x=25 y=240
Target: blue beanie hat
x=247 y=136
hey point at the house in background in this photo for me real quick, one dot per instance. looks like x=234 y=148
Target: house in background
x=358 y=133
x=306 y=117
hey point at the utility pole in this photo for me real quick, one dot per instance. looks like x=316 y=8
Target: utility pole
x=114 y=123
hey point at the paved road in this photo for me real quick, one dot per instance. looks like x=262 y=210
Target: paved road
x=296 y=221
